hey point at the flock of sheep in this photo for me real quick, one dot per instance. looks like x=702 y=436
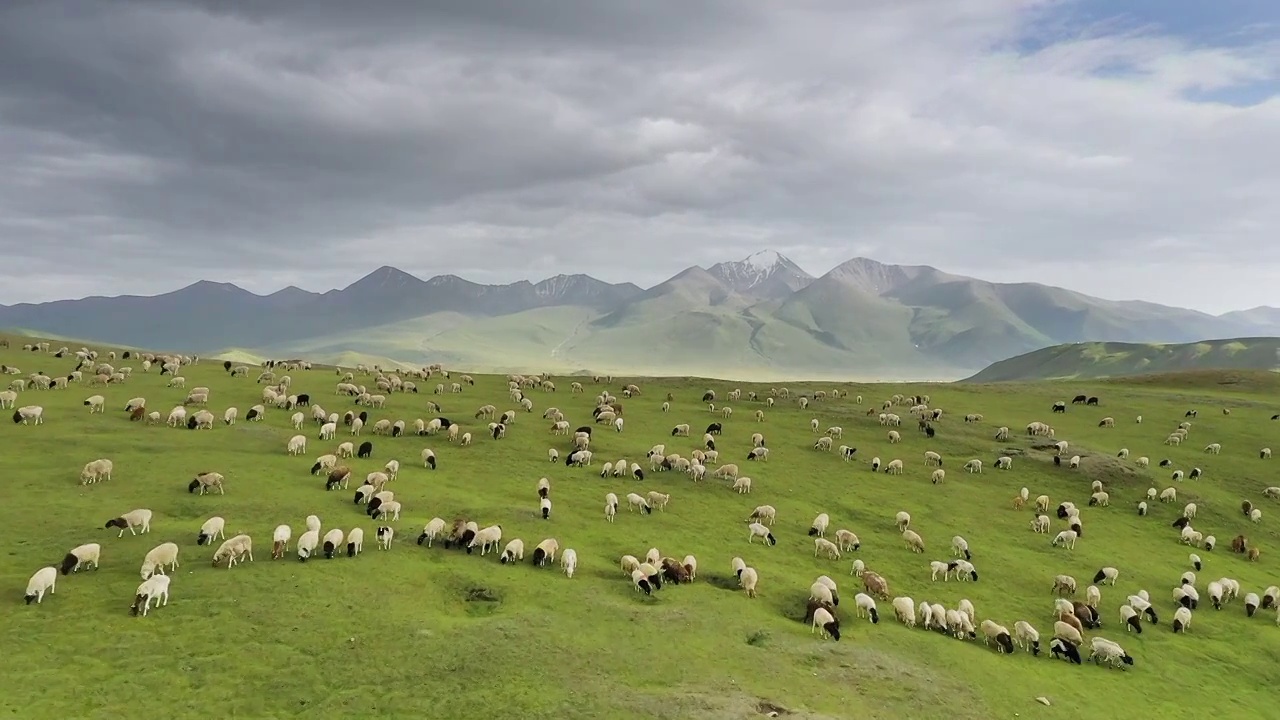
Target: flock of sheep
x=1071 y=617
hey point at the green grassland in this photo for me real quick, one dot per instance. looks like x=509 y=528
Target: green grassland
x=1081 y=361
x=402 y=633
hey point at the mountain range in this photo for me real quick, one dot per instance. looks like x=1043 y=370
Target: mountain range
x=761 y=317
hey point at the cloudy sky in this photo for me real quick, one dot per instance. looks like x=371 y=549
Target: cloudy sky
x=1124 y=148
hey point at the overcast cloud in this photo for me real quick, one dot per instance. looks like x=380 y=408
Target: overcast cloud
x=145 y=145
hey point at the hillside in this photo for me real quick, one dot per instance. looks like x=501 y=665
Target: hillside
x=760 y=318
x=1111 y=360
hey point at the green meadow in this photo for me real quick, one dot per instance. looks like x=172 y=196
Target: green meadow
x=430 y=632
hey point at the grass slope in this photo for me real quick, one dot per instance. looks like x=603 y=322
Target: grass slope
x=402 y=632
x=1099 y=360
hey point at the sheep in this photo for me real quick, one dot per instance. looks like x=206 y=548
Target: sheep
x=1027 y=637
x=902 y=520
x=1065 y=649
x=332 y=541
x=1074 y=463
x=821 y=545
x=211 y=530
x=1100 y=499
x=913 y=540
x=81 y=555
x=569 y=562
x=140 y=518
x=938 y=476
x=1108 y=651
x=1142 y=509
x=762 y=453
x=1064 y=585
x=1143 y=606
x=1065 y=631
x=1181 y=620
x=1066 y=538
x=750 y=580
x=866 y=606
x=486 y=538
x=964 y=570
x=297 y=445
x=875 y=464
x=154 y=588
x=206 y=480
x=936 y=567
x=1271 y=597
x=904 y=609
x=1255 y=515
x=756 y=530
x=44 y=579
x=932 y=458
x=847 y=540
x=659 y=500
x=233 y=550
x=96 y=404
x=998 y=634
x=545 y=552
x=742 y=485
x=765 y=513
x=280 y=541
x=824 y=593
x=1169 y=495
x=1251 y=603
x=823 y=444
x=307 y=543
x=635 y=500
x=894 y=467
x=1106 y=576
x=819 y=526
x=96 y=471
x=158 y=557
x=1040 y=524
x=34 y=413
x=1213 y=448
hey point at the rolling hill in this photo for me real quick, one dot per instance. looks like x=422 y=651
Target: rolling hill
x=758 y=318
x=1082 y=361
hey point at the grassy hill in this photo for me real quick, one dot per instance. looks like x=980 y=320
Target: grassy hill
x=1099 y=360
x=418 y=630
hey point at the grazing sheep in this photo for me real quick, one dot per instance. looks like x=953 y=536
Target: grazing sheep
x=938 y=476
x=153 y=588
x=280 y=541
x=1181 y=620
x=635 y=500
x=765 y=513
x=545 y=552
x=205 y=481
x=233 y=550
x=894 y=467
x=866 y=607
x=307 y=543
x=44 y=579
x=1064 y=585
x=1106 y=576
x=140 y=518
x=997 y=634
x=819 y=526
x=742 y=485
x=914 y=542
x=1066 y=538
x=756 y=530
x=822 y=545
x=960 y=546
x=750 y=581
x=87 y=554
x=211 y=530
x=902 y=520
x=34 y=413
x=1251 y=603
x=158 y=557
x=96 y=471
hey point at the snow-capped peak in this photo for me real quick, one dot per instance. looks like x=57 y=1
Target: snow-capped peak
x=764 y=261
x=765 y=273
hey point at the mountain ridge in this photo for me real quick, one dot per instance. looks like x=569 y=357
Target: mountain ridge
x=761 y=313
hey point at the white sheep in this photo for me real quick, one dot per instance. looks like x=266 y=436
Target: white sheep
x=280 y=540
x=297 y=445
x=904 y=608
x=34 y=413
x=742 y=484
x=81 y=555
x=569 y=562
x=140 y=518
x=153 y=588
x=158 y=557
x=211 y=530
x=96 y=471
x=822 y=545
x=1066 y=538
x=756 y=530
x=234 y=549
x=307 y=543
x=44 y=579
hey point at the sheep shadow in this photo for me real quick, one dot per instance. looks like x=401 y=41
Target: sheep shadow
x=722 y=582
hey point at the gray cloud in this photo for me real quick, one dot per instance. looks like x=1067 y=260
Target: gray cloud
x=148 y=144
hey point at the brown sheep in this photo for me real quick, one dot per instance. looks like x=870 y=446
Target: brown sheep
x=1239 y=544
x=875 y=585
x=338 y=478
x=1253 y=554
x=1086 y=615
x=675 y=572
x=137 y=414
x=1073 y=621
x=813 y=605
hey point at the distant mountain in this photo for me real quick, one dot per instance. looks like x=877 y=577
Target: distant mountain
x=759 y=316
x=765 y=275
x=1106 y=360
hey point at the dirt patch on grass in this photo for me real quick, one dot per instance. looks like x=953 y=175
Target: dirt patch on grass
x=481 y=594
